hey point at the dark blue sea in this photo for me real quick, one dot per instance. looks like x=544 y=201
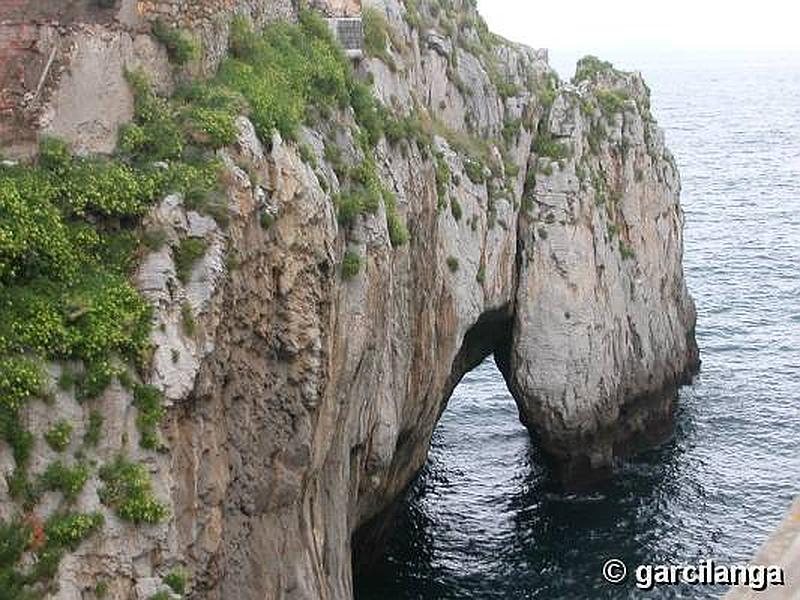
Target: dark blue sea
x=484 y=522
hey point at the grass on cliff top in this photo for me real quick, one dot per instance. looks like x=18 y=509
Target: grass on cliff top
x=590 y=67
x=284 y=71
x=289 y=75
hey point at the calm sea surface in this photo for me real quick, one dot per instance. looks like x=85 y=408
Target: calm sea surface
x=482 y=520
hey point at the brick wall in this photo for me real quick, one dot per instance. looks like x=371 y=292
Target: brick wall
x=28 y=32
x=22 y=61
x=30 y=29
x=63 y=11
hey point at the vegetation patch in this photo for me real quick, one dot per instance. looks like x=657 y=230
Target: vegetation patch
x=377 y=36
x=398 y=232
x=176 y=580
x=128 y=492
x=284 y=71
x=475 y=171
x=611 y=101
x=59 y=436
x=149 y=402
x=67 y=530
x=30 y=551
x=69 y=480
x=626 y=251
x=351 y=265
x=266 y=220
x=186 y=254
x=187 y=319
x=455 y=209
x=93 y=429
x=442 y=179
x=589 y=67
x=181 y=47
x=68 y=245
x=545 y=145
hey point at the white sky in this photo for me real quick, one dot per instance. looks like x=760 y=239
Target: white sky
x=594 y=26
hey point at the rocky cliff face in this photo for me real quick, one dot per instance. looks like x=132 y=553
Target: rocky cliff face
x=545 y=228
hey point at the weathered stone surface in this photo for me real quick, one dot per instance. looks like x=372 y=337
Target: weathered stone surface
x=93 y=98
x=603 y=313
x=782 y=550
x=303 y=404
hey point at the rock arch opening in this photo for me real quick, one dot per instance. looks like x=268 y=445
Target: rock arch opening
x=460 y=511
x=573 y=461
x=486 y=348
x=490 y=336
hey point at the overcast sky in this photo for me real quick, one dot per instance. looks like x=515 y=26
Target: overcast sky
x=594 y=26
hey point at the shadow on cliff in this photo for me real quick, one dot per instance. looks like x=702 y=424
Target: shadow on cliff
x=547 y=530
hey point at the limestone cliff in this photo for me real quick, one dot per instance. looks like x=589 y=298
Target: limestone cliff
x=544 y=227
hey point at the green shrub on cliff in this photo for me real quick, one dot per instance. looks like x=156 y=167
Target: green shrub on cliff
x=197 y=117
x=148 y=401
x=186 y=254
x=367 y=111
x=67 y=249
x=442 y=178
x=68 y=480
x=68 y=530
x=350 y=205
x=455 y=209
x=398 y=232
x=546 y=145
x=589 y=67
x=20 y=380
x=15 y=536
x=181 y=47
x=176 y=580
x=93 y=429
x=59 y=436
x=351 y=265
x=377 y=35
x=127 y=489
x=474 y=170
x=611 y=101
x=42 y=547
x=285 y=70
x=412 y=14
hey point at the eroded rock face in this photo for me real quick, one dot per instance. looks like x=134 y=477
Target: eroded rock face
x=303 y=403
x=603 y=317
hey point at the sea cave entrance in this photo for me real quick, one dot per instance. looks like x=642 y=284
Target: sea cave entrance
x=485 y=518
x=455 y=516
x=458 y=518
